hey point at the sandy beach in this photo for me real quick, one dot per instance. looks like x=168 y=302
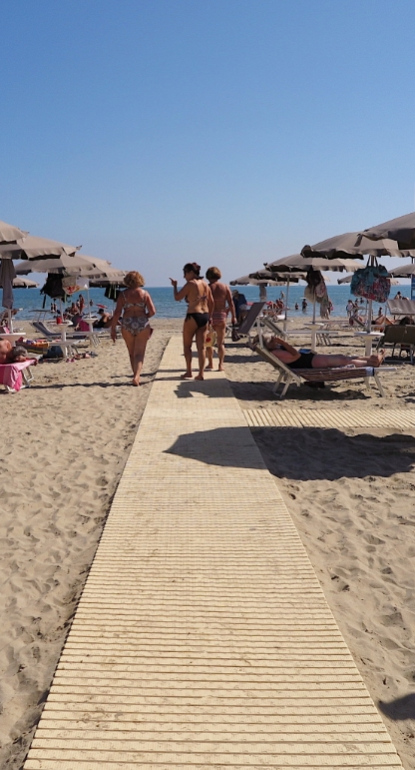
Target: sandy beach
x=349 y=491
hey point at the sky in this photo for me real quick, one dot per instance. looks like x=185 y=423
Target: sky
x=226 y=132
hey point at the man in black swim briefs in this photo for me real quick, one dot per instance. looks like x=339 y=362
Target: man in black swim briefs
x=296 y=360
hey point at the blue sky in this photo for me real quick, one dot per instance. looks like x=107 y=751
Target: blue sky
x=230 y=132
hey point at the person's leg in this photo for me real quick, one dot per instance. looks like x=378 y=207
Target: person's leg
x=220 y=330
x=200 y=344
x=328 y=361
x=189 y=330
x=140 y=344
x=209 y=356
x=129 y=341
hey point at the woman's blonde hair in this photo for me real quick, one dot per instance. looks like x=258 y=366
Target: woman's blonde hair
x=134 y=280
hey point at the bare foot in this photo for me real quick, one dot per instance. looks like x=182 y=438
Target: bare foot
x=209 y=367
x=220 y=369
x=186 y=376
x=199 y=377
x=377 y=359
x=136 y=383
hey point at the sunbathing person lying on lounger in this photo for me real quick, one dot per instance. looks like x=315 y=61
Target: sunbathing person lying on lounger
x=296 y=360
x=12 y=355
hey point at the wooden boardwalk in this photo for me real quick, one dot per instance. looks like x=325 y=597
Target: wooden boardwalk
x=202 y=638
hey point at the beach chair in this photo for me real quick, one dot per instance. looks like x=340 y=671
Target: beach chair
x=275 y=328
x=249 y=323
x=401 y=307
x=404 y=336
x=287 y=376
x=16 y=376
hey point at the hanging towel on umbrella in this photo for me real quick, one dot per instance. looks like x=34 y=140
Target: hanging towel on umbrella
x=7 y=273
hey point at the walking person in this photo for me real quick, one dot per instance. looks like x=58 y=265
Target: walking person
x=134 y=308
x=200 y=305
x=223 y=304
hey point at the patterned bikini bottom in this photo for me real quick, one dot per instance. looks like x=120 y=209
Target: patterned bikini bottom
x=135 y=324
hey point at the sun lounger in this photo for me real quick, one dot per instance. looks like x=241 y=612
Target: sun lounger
x=401 y=307
x=252 y=318
x=275 y=328
x=287 y=376
x=404 y=336
x=16 y=376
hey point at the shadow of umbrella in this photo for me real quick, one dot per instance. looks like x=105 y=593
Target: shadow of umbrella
x=400 y=708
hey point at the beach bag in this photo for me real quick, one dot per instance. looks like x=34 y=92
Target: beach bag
x=235 y=335
x=371 y=282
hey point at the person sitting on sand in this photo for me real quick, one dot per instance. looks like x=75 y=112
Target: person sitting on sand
x=199 y=310
x=222 y=298
x=104 y=320
x=381 y=320
x=297 y=360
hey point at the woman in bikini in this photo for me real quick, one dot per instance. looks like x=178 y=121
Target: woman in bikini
x=222 y=298
x=296 y=360
x=136 y=307
x=199 y=311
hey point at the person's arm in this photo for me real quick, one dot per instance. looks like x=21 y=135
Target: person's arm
x=182 y=293
x=116 y=316
x=151 y=310
x=286 y=345
x=231 y=306
x=210 y=301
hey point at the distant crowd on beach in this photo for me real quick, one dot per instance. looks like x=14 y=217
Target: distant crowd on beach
x=211 y=310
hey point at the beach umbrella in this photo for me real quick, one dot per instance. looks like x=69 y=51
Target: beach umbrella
x=404 y=271
x=33 y=247
x=349 y=246
x=357 y=245
x=8 y=235
x=297 y=263
x=400 y=229
x=24 y=283
x=64 y=263
x=266 y=278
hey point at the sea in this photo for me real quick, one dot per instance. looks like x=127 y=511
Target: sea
x=30 y=300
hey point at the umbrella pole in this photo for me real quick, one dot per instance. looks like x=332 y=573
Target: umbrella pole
x=286 y=304
x=10 y=320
